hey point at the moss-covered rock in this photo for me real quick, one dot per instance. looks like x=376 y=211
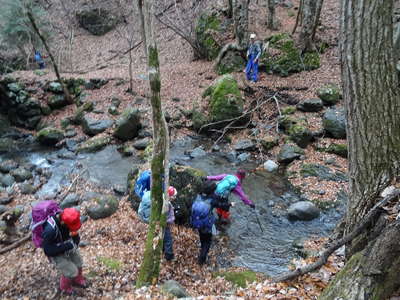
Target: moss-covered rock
x=289 y=153
x=57 y=101
x=75 y=85
x=111 y=264
x=231 y=62
x=207 y=25
x=329 y=94
x=338 y=149
x=102 y=207
x=80 y=112
x=285 y=122
x=49 y=136
x=301 y=135
x=94 y=144
x=289 y=60
x=226 y=101
x=97 y=21
x=288 y=110
x=128 y=125
x=269 y=142
x=334 y=122
x=239 y=278
x=198 y=119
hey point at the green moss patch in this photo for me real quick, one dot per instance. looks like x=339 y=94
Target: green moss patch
x=206 y=24
x=110 y=263
x=240 y=278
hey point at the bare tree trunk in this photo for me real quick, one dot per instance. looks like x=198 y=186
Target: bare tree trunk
x=298 y=17
x=241 y=19
x=230 y=8
x=311 y=10
x=396 y=41
x=271 y=15
x=150 y=268
x=130 y=71
x=36 y=29
x=142 y=25
x=370 y=90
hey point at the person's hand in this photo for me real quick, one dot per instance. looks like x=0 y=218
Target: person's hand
x=252 y=205
x=203 y=178
x=255 y=61
x=71 y=246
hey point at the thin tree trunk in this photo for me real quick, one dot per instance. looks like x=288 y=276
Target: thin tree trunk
x=230 y=8
x=150 y=268
x=298 y=17
x=142 y=25
x=130 y=71
x=241 y=19
x=317 y=17
x=271 y=15
x=36 y=29
x=370 y=90
x=310 y=19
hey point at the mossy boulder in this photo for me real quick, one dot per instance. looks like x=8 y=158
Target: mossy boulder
x=102 y=207
x=329 y=94
x=233 y=61
x=54 y=87
x=207 y=26
x=285 y=122
x=128 y=125
x=269 y=142
x=173 y=288
x=288 y=110
x=98 y=21
x=289 y=153
x=301 y=135
x=226 y=101
x=239 y=278
x=75 y=85
x=199 y=119
x=93 y=126
x=57 y=101
x=49 y=136
x=21 y=174
x=80 y=112
x=289 y=60
x=94 y=144
x=310 y=105
x=334 y=122
x=322 y=172
x=338 y=149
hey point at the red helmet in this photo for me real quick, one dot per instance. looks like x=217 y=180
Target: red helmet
x=71 y=217
x=172 y=191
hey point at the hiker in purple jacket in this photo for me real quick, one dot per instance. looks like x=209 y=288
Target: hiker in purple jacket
x=229 y=183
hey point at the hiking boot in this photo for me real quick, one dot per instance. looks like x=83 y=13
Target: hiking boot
x=66 y=285
x=169 y=257
x=79 y=280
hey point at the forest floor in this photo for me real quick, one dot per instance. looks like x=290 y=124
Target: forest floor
x=114 y=247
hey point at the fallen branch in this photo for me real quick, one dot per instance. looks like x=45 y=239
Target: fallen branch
x=16 y=244
x=125 y=52
x=339 y=243
x=71 y=185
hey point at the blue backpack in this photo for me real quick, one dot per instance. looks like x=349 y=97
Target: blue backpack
x=202 y=216
x=143 y=183
x=226 y=185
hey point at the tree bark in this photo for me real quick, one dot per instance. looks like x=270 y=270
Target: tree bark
x=241 y=20
x=271 y=15
x=311 y=10
x=150 y=268
x=142 y=26
x=370 y=90
x=36 y=29
x=230 y=8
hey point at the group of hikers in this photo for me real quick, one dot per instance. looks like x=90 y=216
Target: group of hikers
x=56 y=230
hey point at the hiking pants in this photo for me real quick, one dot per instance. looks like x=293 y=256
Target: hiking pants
x=252 y=69
x=168 y=244
x=205 y=242
x=68 y=263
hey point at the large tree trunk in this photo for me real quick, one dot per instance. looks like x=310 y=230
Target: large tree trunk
x=150 y=268
x=241 y=19
x=311 y=10
x=271 y=23
x=372 y=104
x=36 y=29
x=230 y=8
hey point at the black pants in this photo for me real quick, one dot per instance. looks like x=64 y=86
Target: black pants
x=205 y=241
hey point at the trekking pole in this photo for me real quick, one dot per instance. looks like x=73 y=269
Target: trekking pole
x=258 y=221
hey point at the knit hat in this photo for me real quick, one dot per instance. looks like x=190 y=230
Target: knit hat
x=172 y=191
x=253 y=36
x=71 y=217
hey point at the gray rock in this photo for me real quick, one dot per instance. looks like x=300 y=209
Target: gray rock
x=94 y=144
x=322 y=172
x=3 y=208
x=71 y=145
x=310 y=105
x=103 y=207
x=172 y=287
x=141 y=144
x=301 y=135
x=55 y=87
x=95 y=83
x=49 y=136
x=303 y=211
x=231 y=62
x=243 y=157
x=334 y=122
x=198 y=153
x=143 y=133
x=97 y=21
x=27 y=188
x=119 y=189
x=7 y=180
x=245 y=145
x=231 y=156
x=329 y=94
x=115 y=101
x=289 y=153
x=8 y=165
x=6 y=200
x=57 y=101
x=21 y=174
x=128 y=125
x=92 y=127
x=70 y=201
x=69 y=133
x=270 y=166
x=113 y=110
x=65 y=154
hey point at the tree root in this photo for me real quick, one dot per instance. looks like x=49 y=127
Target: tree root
x=16 y=244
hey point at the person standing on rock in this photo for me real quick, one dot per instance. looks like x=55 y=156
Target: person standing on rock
x=228 y=183
x=60 y=245
x=144 y=212
x=253 y=54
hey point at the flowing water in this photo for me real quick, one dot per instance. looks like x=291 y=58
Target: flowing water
x=261 y=240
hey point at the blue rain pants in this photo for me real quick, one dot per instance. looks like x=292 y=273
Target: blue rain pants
x=252 y=69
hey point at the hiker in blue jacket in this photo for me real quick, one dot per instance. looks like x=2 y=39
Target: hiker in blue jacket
x=39 y=59
x=202 y=218
x=253 y=54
